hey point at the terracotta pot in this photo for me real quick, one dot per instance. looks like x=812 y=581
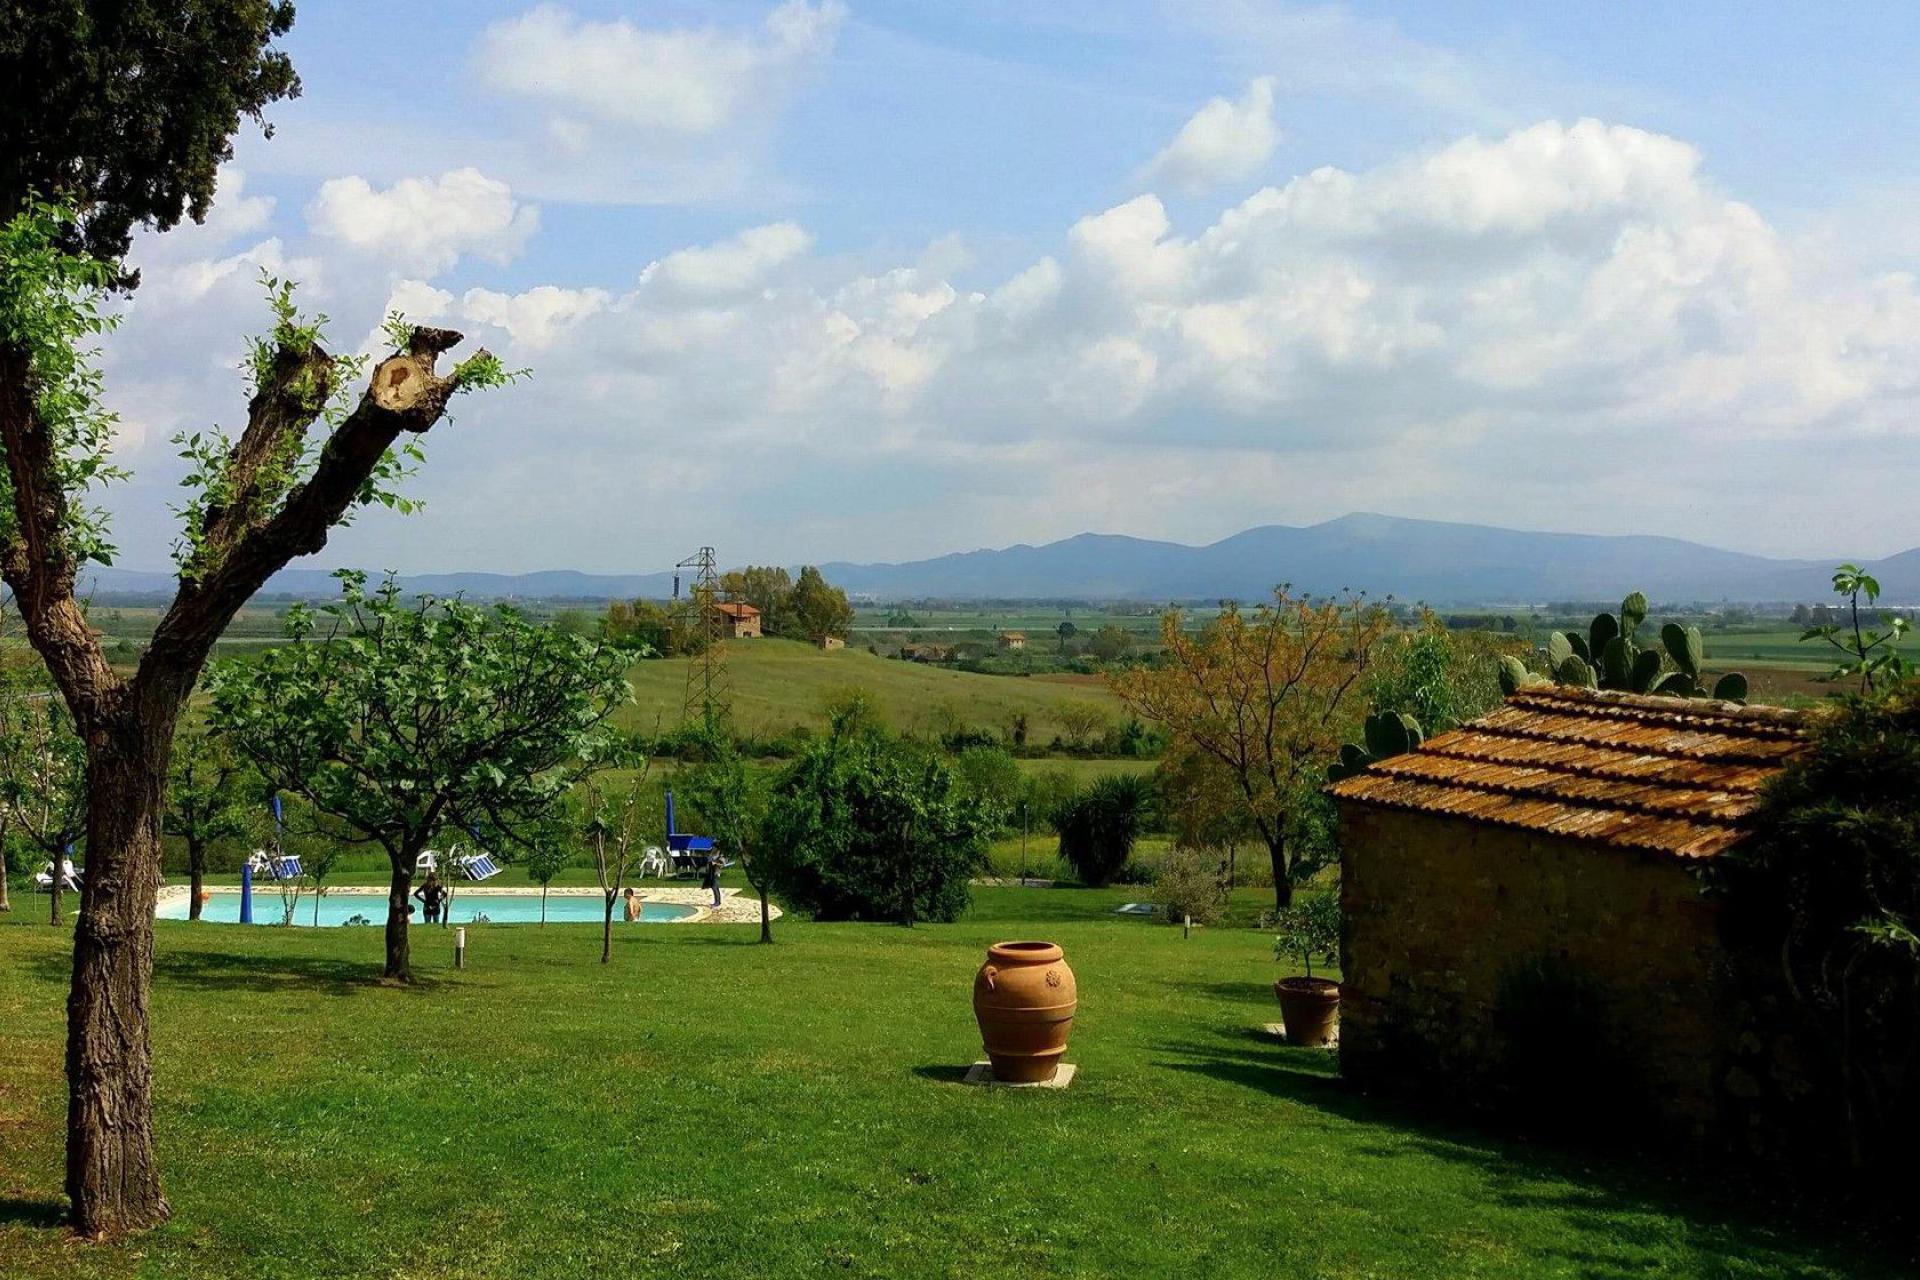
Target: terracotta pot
x=1310 y=1007
x=1024 y=997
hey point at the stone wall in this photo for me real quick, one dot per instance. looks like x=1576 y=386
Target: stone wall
x=1441 y=913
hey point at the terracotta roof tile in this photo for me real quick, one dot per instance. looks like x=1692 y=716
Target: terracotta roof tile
x=1670 y=775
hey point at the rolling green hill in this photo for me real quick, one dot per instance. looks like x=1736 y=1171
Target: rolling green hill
x=780 y=684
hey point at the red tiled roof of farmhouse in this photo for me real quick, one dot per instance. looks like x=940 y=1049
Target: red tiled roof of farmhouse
x=735 y=610
x=1670 y=775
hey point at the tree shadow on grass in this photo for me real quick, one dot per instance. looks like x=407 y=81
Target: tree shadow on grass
x=267 y=973
x=39 y=1215
x=943 y=1073
x=1621 y=1206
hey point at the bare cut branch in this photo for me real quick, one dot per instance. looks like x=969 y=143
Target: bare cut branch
x=404 y=393
x=291 y=395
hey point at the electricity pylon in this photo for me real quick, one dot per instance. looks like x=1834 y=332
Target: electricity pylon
x=707 y=696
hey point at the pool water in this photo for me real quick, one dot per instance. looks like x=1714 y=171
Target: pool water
x=341 y=908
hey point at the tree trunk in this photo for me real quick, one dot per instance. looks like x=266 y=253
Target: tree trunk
x=399 y=891
x=53 y=893
x=113 y=1179
x=1282 y=886
x=543 y=906
x=606 y=933
x=196 y=877
x=766 y=916
x=6 y=902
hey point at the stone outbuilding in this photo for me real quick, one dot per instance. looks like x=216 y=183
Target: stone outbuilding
x=1563 y=834
x=1013 y=639
x=738 y=621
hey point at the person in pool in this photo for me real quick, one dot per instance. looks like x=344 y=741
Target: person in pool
x=635 y=904
x=433 y=896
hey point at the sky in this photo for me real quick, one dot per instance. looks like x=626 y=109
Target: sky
x=842 y=279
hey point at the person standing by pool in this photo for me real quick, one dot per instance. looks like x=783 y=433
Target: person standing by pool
x=432 y=895
x=635 y=905
x=712 y=880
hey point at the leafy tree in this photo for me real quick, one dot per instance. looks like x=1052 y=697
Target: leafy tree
x=1066 y=631
x=730 y=801
x=1110 y=643
x=1204 y=805
x=993 y=777
x=43 y=779
x=1081 y=723
x=1098 y=827
x=818 y=608
x=1872 y=654
x=866 y=826
x=1826 y=893
x=208 y=794
x=401 y=720
x=1270 y=696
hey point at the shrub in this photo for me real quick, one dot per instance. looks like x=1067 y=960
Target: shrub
x=867 y=826
x=1190 y=885
x=1827 y=894
x=1098 y=827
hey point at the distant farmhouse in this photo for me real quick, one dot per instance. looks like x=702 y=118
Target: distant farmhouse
x=1013 y=639
x=739 y=621
x=1538 y=873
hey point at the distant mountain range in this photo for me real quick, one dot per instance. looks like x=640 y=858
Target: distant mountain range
x=1430 y=560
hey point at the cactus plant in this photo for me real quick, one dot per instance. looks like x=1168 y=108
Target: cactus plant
x=1609 y=656
x=1386 y=733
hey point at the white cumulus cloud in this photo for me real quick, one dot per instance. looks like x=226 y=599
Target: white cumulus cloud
x=425 y=225
x=732 y=265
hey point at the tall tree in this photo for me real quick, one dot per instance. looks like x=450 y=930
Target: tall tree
x=1268 y=695
x=403 y=720
x=121 y=114
x=818 y=608
x=767 y=588
x=207 y=798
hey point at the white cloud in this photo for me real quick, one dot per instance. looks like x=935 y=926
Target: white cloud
x=425 y=225
x=688 y=81
x=730 y=266
x=1223 y=142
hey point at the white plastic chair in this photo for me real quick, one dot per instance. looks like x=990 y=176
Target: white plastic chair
x=653 y=862
x=428 y=861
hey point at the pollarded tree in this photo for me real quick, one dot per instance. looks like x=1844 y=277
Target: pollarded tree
x=1269 y=695
x=207 y=796
x=403 y=720
x=259 y=500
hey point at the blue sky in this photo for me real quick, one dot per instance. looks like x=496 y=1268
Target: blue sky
x=818 y=280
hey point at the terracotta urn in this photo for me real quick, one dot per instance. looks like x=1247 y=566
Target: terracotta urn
x=1310 y=1008
x=1024 y=997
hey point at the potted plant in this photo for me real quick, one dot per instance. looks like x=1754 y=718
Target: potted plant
x=1309 y=1006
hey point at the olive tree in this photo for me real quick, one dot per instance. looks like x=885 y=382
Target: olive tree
x=401 y=720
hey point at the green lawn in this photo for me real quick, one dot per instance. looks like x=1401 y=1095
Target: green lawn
x=707 y=1107
x=779 y=684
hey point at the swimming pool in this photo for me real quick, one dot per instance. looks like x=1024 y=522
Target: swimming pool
x=340 y=907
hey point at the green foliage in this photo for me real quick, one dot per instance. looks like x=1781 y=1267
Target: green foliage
x=43 y=769
x=818 y=608
x=1309 y=928
x=51 y=315
x=866 y=826
x=127 y=110
x=1868 y=652
x=1098 y=826
x=1828 y=888
x=993 y=777
x=209 y=793
x=1110 y=643
x=399 y=719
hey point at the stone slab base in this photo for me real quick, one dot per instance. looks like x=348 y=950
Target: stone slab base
x=1278 y=1030
x=981 y=1073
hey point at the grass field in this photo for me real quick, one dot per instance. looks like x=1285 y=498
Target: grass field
x=707 y=1107
x=780 y=684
